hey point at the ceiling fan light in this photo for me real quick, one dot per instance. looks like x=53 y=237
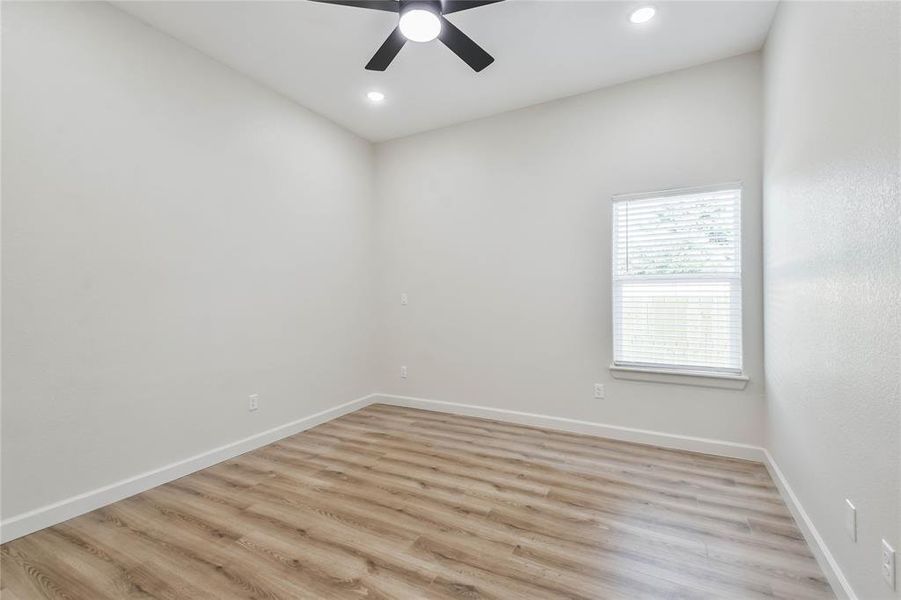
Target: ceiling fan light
x=420 y=25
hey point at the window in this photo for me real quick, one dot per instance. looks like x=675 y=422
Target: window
x=677 y=280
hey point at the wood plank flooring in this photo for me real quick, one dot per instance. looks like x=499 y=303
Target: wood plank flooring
x=392 y=502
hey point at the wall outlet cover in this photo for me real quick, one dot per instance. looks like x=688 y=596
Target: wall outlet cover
x=888 y=565
x=851 y=520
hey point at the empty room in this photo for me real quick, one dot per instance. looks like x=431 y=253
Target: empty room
x=450 y=299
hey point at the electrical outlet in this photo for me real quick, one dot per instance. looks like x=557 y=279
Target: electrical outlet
x=403 y=372
x=851 y=520
x=253 y=402
x=404 y=300
x=888 y=565
x=599 y=390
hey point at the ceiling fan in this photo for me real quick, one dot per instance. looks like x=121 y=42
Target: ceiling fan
x=423 y=21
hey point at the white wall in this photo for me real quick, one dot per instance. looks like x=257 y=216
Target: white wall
x=833 y=271
x=175 y=237
x=499 y=231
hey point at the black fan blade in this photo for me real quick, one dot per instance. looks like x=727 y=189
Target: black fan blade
x=461 y=45
x=387 y=5
x=452 y=6
x=387 y=51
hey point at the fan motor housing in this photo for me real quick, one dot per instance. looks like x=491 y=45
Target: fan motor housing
x=433 y=6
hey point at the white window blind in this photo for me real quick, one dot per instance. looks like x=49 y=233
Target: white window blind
x=677 y=280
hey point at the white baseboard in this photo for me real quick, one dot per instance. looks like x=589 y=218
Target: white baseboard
x=49 y=515
x=627 y=434
x=824 y=557
x=52 y=514
x=58 y=512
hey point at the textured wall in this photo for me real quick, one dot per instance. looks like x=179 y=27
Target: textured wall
x=833 y=271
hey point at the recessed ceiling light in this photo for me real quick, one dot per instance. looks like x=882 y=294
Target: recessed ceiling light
x=375 y=96
x=420 y=25
x=643 y=14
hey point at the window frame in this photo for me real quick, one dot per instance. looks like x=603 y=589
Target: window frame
x=712 y=376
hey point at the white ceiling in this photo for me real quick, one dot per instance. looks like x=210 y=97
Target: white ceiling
x=314 y=53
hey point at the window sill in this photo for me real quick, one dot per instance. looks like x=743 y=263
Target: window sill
x=697 y=378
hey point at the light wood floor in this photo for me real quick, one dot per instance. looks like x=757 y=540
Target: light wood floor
x=392 y=502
